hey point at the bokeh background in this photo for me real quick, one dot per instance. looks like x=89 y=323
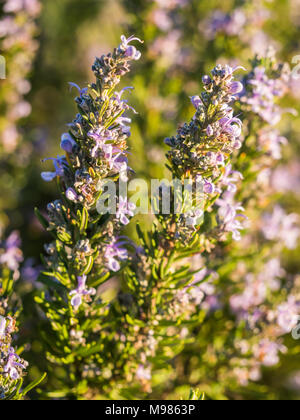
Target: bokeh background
x=183 y=40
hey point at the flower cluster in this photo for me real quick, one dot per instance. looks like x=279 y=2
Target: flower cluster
x=88 y=249
x=10 y=253
x=96 y=150
x=245 y=22
x=260 y=303
x=267 y=86
x=12 y=366
x=163 y=290
x=18 y=46
x=203 y=147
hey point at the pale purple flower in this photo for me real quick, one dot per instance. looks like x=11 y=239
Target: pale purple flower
x=162 y=20
x=216 y=159
x=288 y=315
x=264 y=93
x=206 y=80
x=125 y=208
x=130 y=50
x=67 y=143
x=254 y=294
x=167 y=48
x=278 y=226
x=12 y=364
x=272 y=273
x=231 y=126
x=59 y=164
x=210 y=131
x=124 y=102
x=236 y=87
x=267 y=352
x=72 y=195
x=12 y=255
x=287 y=178
x=207 y=184
x=116 y=160
x=82 y=92
x=194 y=218
x=101 y=136
x=229 y=24
x=81 y=291
x=196 y=101
x=124 y=123
x=114 y=253
x=229 y=218
x=32 y=7
x=143 y=373
x=230 y=178
x=30 y=271
x=271 y=141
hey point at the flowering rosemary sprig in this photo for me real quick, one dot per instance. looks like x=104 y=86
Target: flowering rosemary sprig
x=12 y=366
x=87 y=248
x=202 y=148
x=252 y=285
x=156 y=310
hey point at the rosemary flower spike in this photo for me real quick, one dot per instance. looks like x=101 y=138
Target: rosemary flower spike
x=95 y=151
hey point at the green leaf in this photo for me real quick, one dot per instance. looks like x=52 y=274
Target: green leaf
x=34 y=384
x=89 y=266
x=84 y=220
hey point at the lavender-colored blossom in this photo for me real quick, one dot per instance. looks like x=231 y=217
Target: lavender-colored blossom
x=236 y=87
x=72 y=195
x=231 y=126
x=32 y=7
x=124 y=102
x=271 y=141
x=130 y=50
x=288 y=315
x=286 y=178
x=210 y=131
x=162 y=20
x=254 y=294
x=125 y=208
x=230 y=178
x=59 y=164
x=13 y=365
x=67 y=143
x=229 y=24
x=124 y=123
x=30 y=271
x=194 y=218
x=81 y=292
x=264 y=93
x=229 y=218
x=196 y=101
x=82 y=92
x=281 y=227
x=11 y=254
x=143 y=373
x=267 y=352
x=115 y=253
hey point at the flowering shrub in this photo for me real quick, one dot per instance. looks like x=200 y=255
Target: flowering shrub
x=88 y=248
x=204 y=294
x=171 y=276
